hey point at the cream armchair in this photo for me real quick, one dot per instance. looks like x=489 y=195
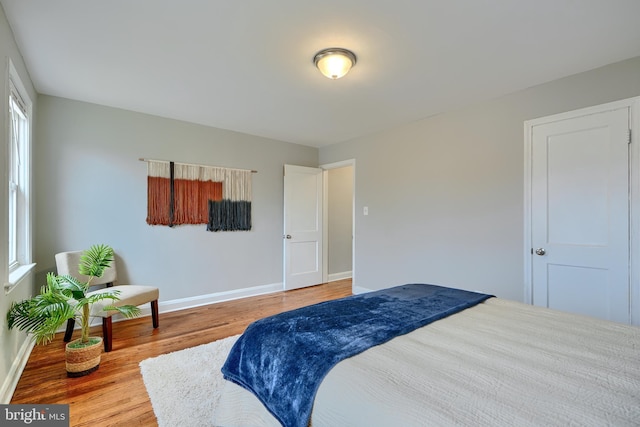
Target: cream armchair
x=67 y=264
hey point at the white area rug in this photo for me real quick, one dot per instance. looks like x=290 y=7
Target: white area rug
x=184 y=386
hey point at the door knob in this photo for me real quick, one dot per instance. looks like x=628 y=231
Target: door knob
x=288 y=236
x=540 y=251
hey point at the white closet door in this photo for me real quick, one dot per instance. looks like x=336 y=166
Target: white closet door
x=580 y=214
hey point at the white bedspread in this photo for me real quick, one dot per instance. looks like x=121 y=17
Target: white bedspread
x=499 y=363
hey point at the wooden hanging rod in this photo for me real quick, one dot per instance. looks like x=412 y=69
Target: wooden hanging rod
x=192 y=164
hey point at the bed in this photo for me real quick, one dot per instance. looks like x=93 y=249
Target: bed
x=498 y=362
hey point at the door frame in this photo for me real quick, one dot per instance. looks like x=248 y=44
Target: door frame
x=634 y=202
x=325 y=218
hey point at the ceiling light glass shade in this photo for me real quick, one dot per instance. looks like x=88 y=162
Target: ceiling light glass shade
x=334 y=62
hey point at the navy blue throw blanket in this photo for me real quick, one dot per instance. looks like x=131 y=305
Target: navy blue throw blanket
x=282 y=359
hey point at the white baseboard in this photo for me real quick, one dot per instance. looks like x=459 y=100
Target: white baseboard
x=360 y=290
x=13 y=376
x=339 y=276
x=200 y=300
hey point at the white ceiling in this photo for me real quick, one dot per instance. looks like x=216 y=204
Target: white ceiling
x=246 y=65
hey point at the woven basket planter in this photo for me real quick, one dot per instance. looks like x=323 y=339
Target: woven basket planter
x=82 y=361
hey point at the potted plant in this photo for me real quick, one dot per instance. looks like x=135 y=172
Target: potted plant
x=63 y=298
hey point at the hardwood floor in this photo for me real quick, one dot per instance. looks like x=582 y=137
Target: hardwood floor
x=115 y=395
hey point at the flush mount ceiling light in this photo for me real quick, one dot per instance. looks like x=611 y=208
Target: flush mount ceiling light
x=334 y=62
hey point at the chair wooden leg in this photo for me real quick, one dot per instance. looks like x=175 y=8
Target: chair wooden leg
x=69 y=331
x=154 y=314
x=106 y=333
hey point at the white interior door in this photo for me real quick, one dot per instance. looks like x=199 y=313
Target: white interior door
x=302 y=226
x=580 y=214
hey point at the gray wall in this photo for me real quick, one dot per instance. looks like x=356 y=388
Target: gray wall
x=340 y=222
x=445 y=194
x=91 y=188
x=13 y=344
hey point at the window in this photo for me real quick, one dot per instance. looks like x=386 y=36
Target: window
x=19 y=173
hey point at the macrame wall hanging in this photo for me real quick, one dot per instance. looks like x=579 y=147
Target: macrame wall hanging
x=181 y=193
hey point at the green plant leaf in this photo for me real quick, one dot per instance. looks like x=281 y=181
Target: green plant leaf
x=112 y=295
x=95 y=260
x=127 y=311
x=39 y=317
